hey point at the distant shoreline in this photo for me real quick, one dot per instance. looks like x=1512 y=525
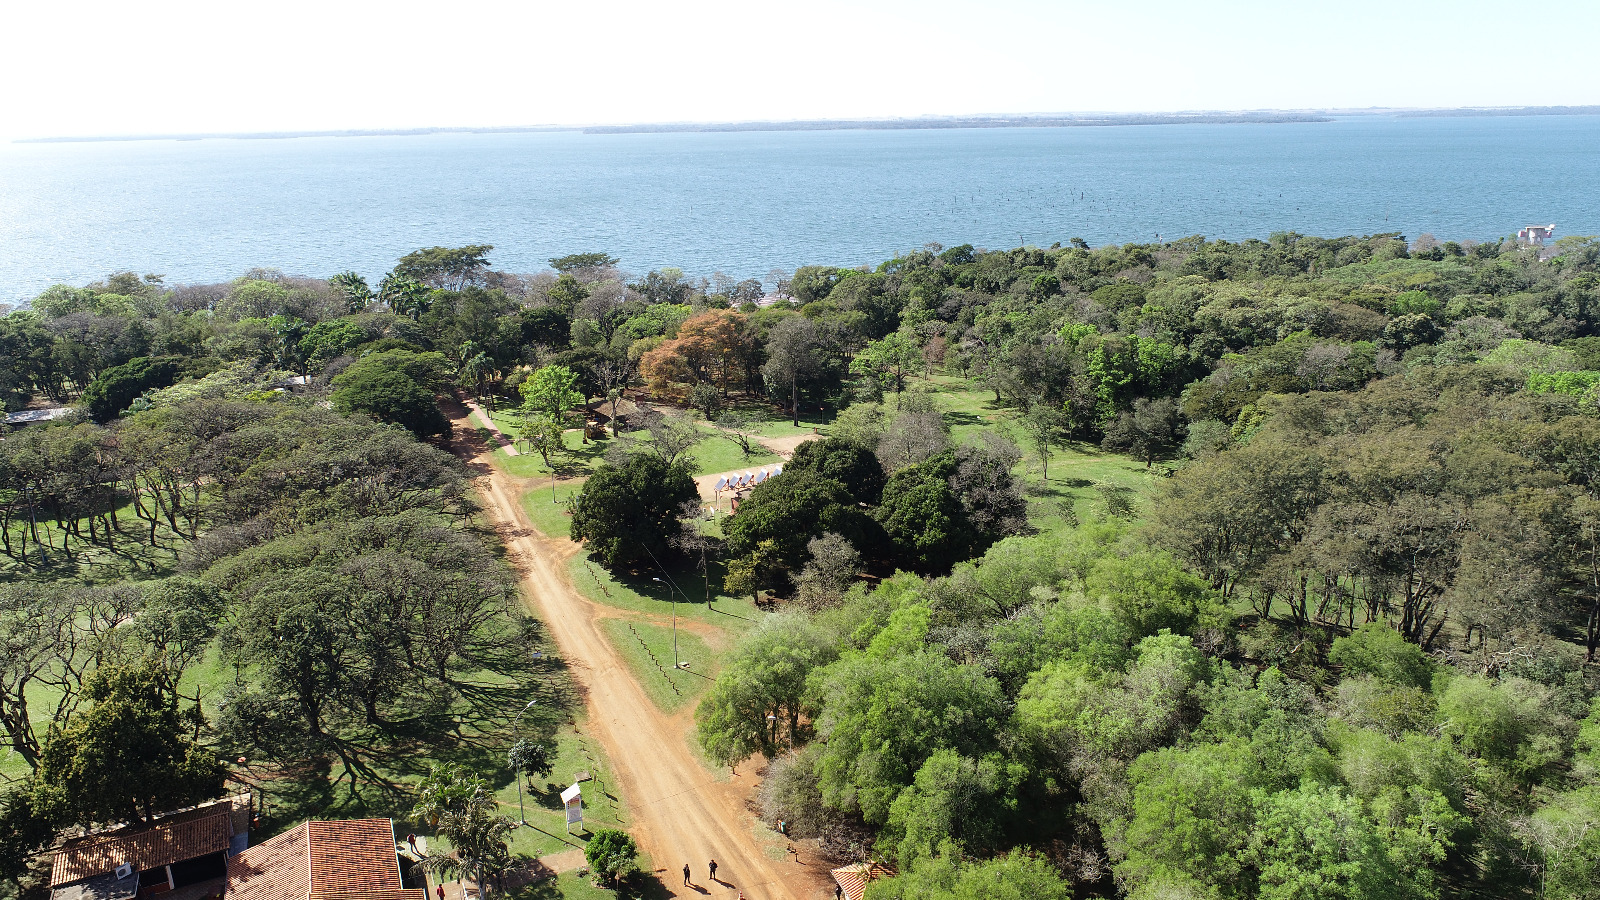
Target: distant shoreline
x=953 y=122
x=923 y=123
x=286 y=135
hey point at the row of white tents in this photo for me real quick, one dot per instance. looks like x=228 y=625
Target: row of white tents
x=737 y=482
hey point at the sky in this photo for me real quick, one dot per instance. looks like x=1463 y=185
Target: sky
x=92 y=67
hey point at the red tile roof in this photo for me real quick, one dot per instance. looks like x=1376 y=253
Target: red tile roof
x=278 y=869
x=344 y=860
x=854 y=878
x=146 y=848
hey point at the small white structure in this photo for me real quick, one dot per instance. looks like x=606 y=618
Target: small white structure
x=572 y=799
x=1536 y=235
x=36 y=416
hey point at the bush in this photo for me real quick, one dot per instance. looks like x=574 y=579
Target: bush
x=115 y=389
x=854 y=467
x=612 y=855
x=626 y=512
x=1378 y=650
x=391 y=397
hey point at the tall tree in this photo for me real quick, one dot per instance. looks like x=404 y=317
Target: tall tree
x=352 y=289
x=759 y=701
x=446 y=268
x=794 y=348
x=132 y=754
x=628 y=512
x=1046 y=427
x=551 y=391
x=892 y=358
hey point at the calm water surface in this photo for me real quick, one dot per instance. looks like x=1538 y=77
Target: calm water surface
x=745 y=203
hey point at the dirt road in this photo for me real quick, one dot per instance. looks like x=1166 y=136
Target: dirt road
x=679 y=813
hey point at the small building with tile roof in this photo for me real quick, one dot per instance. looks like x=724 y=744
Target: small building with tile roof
x=354 y=859
x=853 y=879
x=185 y=850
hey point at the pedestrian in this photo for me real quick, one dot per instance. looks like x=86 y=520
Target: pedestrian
x=838 y=892
x=685 y=873
x=713 y=868
x=440 y=890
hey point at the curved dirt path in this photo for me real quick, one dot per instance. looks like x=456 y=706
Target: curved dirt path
x=679 y=813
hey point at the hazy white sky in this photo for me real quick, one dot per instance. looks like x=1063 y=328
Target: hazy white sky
x=96 y=67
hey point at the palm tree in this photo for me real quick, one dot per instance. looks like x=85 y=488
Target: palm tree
x=406 y=296
x=463 y=810
x=353 y=288
x=476 y=367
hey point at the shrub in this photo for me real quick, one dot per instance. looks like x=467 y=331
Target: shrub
x=612 y=855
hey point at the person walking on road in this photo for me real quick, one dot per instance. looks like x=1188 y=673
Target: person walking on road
x=713 y=868
x=686 y=874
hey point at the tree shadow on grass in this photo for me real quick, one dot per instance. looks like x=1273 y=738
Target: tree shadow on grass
x=470 y=721
x=546 y=889
x=643 y=886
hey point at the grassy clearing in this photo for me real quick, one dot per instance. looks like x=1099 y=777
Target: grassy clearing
x=551 y=516
x=641 y=594
x=715 y=453
x=1080 y=474
x=579 y=459
x=718 y=454
x=647 y=649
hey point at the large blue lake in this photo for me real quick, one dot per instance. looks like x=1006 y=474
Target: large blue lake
x=744 y=203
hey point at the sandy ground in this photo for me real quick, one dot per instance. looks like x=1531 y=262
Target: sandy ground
x=783 y=446
x=480 y=417
x=680 y=813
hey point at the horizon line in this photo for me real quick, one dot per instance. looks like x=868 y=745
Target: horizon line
x=881 y=123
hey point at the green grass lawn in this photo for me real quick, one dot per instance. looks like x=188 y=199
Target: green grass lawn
x=130 y=556
x=713 y=454
x=580 y=457
x=546 y=832
x=550 y=516
x=1079 y=473
x=1079 y=477
x=640 y=593
x=648 y=652
x=718 y=454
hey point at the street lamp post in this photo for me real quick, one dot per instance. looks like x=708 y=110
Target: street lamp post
x=522 y=814
x=674 y=600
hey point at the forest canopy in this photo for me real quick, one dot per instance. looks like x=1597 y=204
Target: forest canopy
x=1347 y=648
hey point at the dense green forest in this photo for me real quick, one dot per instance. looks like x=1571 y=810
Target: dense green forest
x=1346 y=650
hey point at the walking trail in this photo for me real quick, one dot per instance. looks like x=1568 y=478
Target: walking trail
x=680 y=814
